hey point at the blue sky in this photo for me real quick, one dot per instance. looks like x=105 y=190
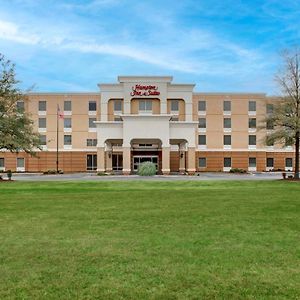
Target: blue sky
x=222 y=46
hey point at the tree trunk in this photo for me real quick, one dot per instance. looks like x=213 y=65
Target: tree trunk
x=296 y=172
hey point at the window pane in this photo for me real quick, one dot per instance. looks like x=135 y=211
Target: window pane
x=67 y=140
x=1 y=162
x=252 y=140
x=92 y=106
x=227 y=140
x=252 y=123
x=252 y=162
x=270 y=162
x=94 y=142
x=227 y=162
x=270 y=125
x=142 y=105
x=202 y=106
x=270 y=108
x=42 y=123
x=227 y=122
x=91 y=122
x=67 y=123
x=227 y=105
x=252 y=106
x=68 y=105
x=202 y=162
x=117 y=105
x=42 y=105
x=20 y=162
x=202 y=139
x=89 y=142
x=202 y=123
x=149 y=105
x=20 y=106
x=289 y=162
x=174 y=105
x=43 y=141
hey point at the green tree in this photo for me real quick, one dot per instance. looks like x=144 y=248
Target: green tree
x=16 y=127
x=285 y=117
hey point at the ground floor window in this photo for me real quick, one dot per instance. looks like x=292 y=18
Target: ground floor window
x=117 y=162
x=91 y=162
x=270 y=162
x=252 y=162
x=2 y=164
x=289 y=163
x=202 y=162
x=20 y=164
x=227 y=162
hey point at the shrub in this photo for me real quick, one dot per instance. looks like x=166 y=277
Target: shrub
x=9 y=174
x=237 y=170
x=147 y=168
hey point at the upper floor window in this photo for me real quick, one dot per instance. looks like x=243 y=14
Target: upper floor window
x=67 y=140
x=67 y=123
x=92 y=106
x=67 y=105
x=227 y=140
x=174 y=105
x=42 y=105
x=270 y=108
x=252 y=106
x=145 y=106
x=227 y=123
x=43 y=140
x=270 y=125
x=252 y=140
x=202 y=106
x=252 y=123
x=202 y=140
x=91 y=142
x=227 y=106
x=202 y=123
x=117 y=105
x=42 y=123
x=20 y=106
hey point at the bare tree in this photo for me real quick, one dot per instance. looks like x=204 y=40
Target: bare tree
x=286 y=113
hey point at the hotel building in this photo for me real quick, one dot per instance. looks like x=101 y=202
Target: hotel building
x=144 y=118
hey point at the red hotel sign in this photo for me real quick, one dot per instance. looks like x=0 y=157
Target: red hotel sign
x=144 y=90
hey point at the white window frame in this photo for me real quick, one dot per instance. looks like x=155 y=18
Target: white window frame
x=20 y=169
x=286 y=167
x=267 y=167
x=227 y=169
x=251 y=168
x=2 y=168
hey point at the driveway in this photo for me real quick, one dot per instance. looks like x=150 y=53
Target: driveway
x=94 y=177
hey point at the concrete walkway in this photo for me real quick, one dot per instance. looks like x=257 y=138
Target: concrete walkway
x=94 y=177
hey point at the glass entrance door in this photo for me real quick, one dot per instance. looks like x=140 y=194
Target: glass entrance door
x=138 y=159
x=91 y=162
x=117 y=162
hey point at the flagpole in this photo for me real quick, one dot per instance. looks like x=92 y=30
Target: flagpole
x=57 y=124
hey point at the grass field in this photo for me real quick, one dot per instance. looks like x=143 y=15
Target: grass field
x=150 y=240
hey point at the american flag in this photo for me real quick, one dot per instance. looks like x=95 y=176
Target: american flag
x=59 y=113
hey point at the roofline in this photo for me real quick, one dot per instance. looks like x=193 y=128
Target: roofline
x=229 y=93
x=63 y=93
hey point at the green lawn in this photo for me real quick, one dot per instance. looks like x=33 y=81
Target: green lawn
x=150 y=240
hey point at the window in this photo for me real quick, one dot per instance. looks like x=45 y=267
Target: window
x=227 y=140
x=226 y=105
x=2 y=163
x=91 y=122
x=289 y=162
x=252 y=106
x=145 y=105
x=270 y=162
x=42 y=123
x=252 y=140
x=42 y=105
x=270 y=125
x=67 y=140
x=227 y=162
x=174 y=105
x=20 y=163
x=252 y=123
x=202 y=105
x=20 y=106
x=68 y=105
x=252 y=162
x=202 y=123
x=67 y=123
x=202 y=140
x=227 y=123
x=117 y=105
x=92 y=106
x=202 y=162
x=91 y=142
x=270 y=109
x=43 y=141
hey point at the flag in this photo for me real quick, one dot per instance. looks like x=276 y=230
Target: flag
x=59 y=113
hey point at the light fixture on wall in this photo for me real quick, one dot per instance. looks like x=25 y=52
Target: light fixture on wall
x=181 y=155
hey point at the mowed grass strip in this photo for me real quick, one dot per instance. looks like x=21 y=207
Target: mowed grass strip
x=150 y=240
